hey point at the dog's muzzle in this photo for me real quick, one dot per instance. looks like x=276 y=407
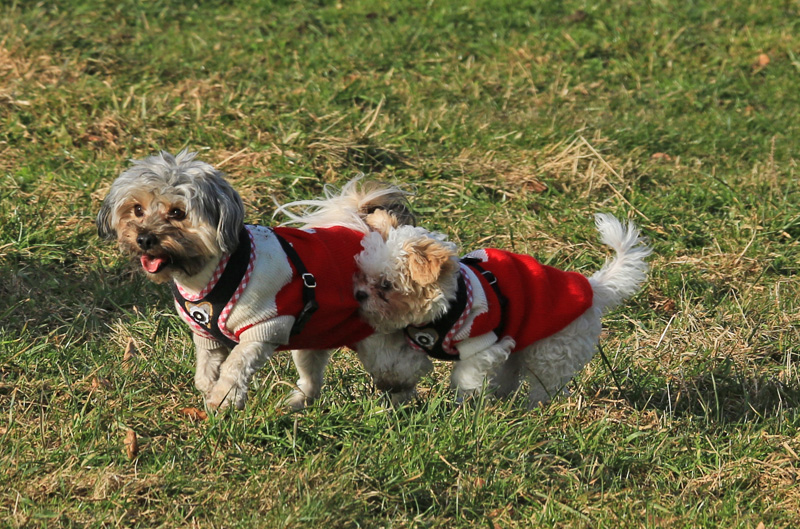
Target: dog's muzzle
x=146 y=241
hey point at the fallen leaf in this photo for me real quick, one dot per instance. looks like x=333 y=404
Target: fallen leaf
x=761 y=62
x=661 y=157
x=194 y=413
x=131 y=445
x=665 y=305
x=534 y=186
x=130 y=351
x=98 y=382
x=760 y=525
x=500 y=511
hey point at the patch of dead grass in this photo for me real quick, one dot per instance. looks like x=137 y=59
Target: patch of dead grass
x=330 y=155
x=43 y=70
x=778 y=471
x=363 y=147
x=509 y=177
x=103 y=134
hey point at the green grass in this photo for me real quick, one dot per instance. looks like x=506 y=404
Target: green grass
x=515 y=122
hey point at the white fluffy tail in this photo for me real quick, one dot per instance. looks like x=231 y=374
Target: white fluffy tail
x=621 y=276
x=349 y=206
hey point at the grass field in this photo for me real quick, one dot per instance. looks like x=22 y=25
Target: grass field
x=514 y=122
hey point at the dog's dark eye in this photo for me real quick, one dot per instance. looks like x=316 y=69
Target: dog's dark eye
x=385 y=285
x=138 y=210
x=176 y=214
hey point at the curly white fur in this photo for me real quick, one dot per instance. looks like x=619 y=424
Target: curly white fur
x=348 y=207
x=387 y=262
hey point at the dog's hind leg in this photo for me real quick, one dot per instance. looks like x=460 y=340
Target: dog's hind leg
x=310 y=364
x=506 y=378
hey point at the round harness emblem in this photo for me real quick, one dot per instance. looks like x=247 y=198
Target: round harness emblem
x=424 y=337
x=201 y=313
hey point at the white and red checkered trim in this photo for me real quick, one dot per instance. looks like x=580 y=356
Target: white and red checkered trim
x=212 y=283
x=447 y=343
x=226 y=311
x=223 y=317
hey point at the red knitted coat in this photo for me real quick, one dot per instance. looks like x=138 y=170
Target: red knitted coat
x=542 y=300
x=329 y=254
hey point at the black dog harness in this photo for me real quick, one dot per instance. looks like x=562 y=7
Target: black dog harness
x=205 y=312
x=430 y=338
x=310 y=304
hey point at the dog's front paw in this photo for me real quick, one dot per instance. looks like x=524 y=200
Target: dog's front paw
x=467 y=395
x=203 y=383
x=225 y=394
x=297 y=400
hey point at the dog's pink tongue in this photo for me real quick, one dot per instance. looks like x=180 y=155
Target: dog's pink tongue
x=152 y=264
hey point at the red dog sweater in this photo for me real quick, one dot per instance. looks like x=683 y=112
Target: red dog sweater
x=329 y=254
x=274 y=288
x=539 y=301
x=542 y=300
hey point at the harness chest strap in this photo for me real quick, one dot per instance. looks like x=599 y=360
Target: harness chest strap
x=205 y=312
x=436 y=337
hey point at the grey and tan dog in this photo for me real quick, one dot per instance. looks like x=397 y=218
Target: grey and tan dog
x=246 y=291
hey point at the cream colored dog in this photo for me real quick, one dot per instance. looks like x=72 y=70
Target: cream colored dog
x=499 y=315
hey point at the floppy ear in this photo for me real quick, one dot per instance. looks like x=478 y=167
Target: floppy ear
x=231 y=218
x=221 y=206
x=104 y=228
x=428 y=259
x=381 y=221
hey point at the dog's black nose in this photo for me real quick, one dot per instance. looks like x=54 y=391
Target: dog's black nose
x=361 y=295
x=146 y=241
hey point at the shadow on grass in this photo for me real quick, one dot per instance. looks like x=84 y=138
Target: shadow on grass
x=65 y=298
x=720 y=395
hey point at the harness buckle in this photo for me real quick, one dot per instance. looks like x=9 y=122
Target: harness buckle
x=309 y=280
x=490 y=277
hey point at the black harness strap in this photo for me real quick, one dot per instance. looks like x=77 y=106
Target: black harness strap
x=310 y=304
x=206 y=311
x=430 y=337
x=474 y=262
